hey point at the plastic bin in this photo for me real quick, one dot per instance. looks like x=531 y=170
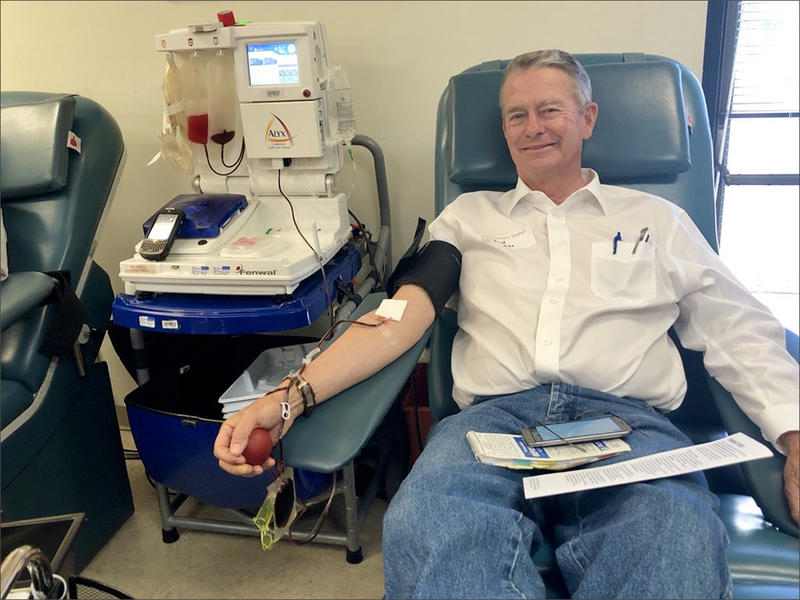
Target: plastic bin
x=175 y=418
x=264 y=374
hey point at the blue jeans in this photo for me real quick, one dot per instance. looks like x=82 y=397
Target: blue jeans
x=458 y=528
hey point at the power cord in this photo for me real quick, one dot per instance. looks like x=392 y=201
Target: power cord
x=314 y=252
x=370 y=247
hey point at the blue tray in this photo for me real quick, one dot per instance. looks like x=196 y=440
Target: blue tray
x=176 y=451
x=206 y=214
x=218 y=314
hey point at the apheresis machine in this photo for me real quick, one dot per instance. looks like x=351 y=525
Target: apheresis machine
x=263 y=125
x=263 y=122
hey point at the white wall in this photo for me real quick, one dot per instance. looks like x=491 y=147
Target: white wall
x=398 y=56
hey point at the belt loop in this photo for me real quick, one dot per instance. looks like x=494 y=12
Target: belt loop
x=554 y=405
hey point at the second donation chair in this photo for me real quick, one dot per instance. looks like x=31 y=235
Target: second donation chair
x=61 y=448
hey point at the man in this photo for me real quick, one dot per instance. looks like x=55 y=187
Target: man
x=586 y=334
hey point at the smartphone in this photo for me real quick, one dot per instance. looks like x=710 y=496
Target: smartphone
x=579 y=430
x=162 y=234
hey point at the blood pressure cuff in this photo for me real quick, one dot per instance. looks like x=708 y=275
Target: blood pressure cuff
x=435 y=268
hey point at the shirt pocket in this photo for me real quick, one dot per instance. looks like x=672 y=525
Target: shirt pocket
x=623 y=277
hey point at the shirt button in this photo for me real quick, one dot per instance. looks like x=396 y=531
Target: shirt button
x=560 y=243
x=553 y=301
x=559 y=280
x=548 y=342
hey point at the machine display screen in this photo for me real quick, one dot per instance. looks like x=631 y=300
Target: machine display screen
x=273 y=63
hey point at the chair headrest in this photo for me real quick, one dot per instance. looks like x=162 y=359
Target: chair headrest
x=641 y=128
x=33 y=136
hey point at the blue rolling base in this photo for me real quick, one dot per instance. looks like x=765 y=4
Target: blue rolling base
x=207 y=313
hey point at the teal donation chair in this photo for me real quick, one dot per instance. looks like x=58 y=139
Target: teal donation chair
x=652 y=134
x=61 y=448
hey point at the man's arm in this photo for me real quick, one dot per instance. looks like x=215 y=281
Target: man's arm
x=358 y=353
x=791 y=471
x=743 y=345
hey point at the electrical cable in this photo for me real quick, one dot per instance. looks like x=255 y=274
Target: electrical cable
x=361 y=226
x=313 y=251
x=62 y=590
x=370 y=246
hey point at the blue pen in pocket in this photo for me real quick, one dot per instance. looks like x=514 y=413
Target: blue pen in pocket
x=617 y=239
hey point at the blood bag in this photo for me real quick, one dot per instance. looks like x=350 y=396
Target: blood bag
x=222 y=104
x=195 y=97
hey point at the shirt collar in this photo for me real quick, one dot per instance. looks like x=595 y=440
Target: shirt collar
x=591 y=191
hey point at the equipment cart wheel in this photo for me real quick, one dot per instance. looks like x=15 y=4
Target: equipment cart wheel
x=354 y=556
x=170 y=536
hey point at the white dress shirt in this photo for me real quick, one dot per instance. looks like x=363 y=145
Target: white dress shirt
x=546 y=294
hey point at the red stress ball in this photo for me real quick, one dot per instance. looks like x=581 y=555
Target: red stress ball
x=259 y=447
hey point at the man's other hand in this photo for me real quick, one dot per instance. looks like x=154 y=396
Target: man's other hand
x=791 y=472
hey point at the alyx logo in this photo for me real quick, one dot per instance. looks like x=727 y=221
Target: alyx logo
x=277 y=134
x=242 y=271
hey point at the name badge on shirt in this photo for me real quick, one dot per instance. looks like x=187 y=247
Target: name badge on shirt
x=519 y=239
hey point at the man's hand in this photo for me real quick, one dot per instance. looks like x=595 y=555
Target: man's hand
x=791 y=472
x=235 y=431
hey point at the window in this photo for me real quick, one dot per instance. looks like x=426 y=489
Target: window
x=759 y=191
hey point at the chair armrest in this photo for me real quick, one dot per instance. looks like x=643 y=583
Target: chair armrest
x=440 y=376
x=340 y=427
x=22 y=292
x=765 y=476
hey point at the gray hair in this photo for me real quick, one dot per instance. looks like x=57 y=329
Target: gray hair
x=558 y=59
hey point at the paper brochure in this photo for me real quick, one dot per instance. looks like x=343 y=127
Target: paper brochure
x=726 y=451
x=511 y=451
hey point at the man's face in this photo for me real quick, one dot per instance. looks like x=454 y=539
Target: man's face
x=544 y=124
